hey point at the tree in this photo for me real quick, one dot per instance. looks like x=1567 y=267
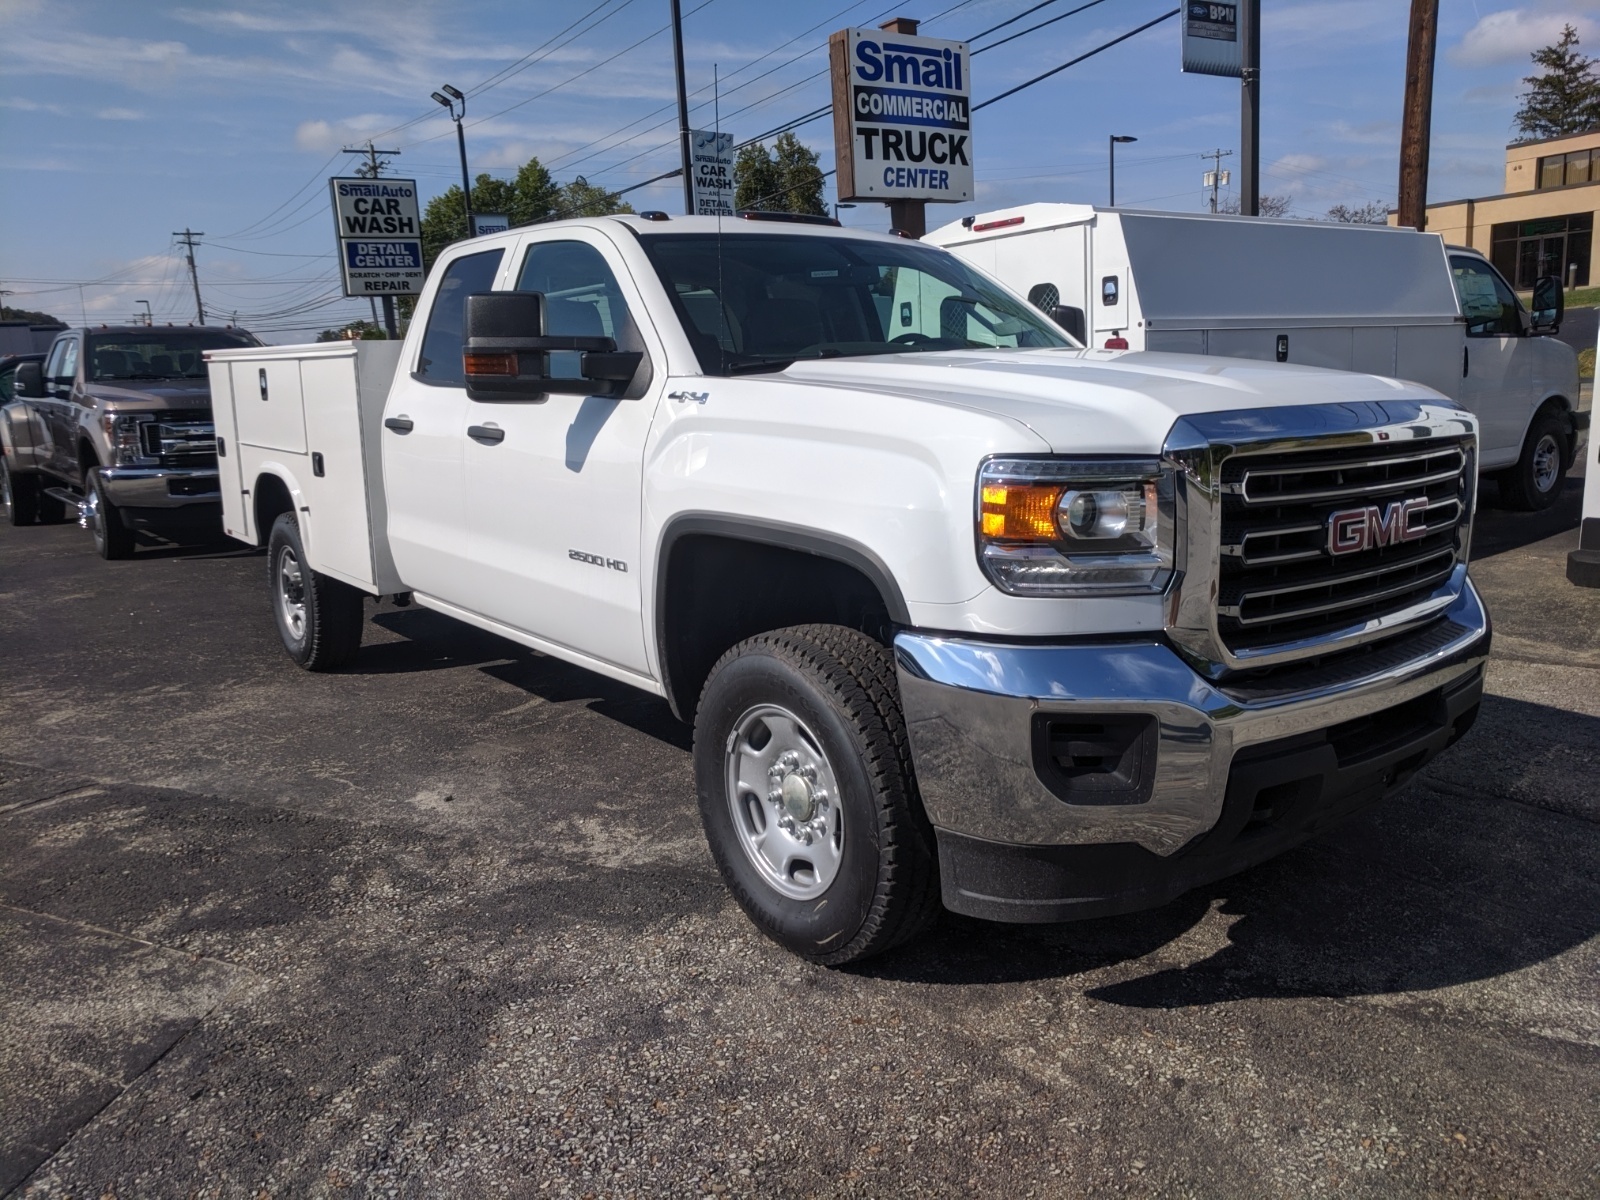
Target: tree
x=1373 y=212
x=28 y=315
x=580 y=198
x=785 y=179
x=1270 y=206
x=364 y=331
x=531 y=197
x=1566 y=97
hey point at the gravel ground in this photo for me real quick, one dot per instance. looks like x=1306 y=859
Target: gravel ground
x=445 y=925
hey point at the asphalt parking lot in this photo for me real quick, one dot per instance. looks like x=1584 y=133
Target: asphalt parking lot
x=445 y=925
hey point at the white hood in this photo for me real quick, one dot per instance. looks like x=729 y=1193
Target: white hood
x=1099 y=401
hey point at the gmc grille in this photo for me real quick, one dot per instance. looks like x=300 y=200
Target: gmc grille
x=1279 y=582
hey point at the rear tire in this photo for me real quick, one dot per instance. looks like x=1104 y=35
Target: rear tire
x=112 y=537
x=319 y=619
x=808 y=797
x=19 y=494
x=1535 y=482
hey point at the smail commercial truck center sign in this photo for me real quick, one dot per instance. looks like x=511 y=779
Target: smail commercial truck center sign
x=902 y=109
x=380 y=236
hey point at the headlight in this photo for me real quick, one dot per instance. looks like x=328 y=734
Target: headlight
x=123 y=434
x=1064 y=527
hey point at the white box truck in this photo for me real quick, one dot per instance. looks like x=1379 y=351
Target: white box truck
x=959 y=610
x=1368 y=298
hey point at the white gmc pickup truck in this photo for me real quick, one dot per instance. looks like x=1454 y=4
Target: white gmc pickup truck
x=960 y=610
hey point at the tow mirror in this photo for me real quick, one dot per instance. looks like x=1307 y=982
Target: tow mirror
x=1549 y=304
x=29 y=380
x=1072 y=320
x=506 y=353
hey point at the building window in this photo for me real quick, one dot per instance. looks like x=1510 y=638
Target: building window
x=1525 y=250
x=1561 y=170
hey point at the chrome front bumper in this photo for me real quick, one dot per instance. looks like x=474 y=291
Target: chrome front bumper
x=161 y=487
x=971 y=711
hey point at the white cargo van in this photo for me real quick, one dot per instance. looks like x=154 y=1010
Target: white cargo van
x=1352 y=297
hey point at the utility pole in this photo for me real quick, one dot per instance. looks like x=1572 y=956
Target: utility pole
x=1416 y=120
x=1216 y=177
x=683 y=109
x=190 y=239
x=374 y=164
x=1250 y=109
x=373 y=169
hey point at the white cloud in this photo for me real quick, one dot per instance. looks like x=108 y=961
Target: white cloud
x=120 y=114
x=324 y=136
x=1511 y=35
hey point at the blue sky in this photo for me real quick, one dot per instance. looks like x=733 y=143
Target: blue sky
x=123 y=121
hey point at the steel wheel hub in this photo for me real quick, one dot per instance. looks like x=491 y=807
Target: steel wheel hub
x=784 y=801
x=292 y=593
x=1546 y=463
x=89 y=516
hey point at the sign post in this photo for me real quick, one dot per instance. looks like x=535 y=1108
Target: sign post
x=902 y=129
x=380 y=239
x=711 y=162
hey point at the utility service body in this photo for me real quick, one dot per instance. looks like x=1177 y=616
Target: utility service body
x=907 y=116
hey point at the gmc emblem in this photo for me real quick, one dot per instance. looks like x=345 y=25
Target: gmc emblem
x=1358 y=529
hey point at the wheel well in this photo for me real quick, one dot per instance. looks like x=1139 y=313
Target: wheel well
x=715 y=591
x=88 y=457
x=271 y=497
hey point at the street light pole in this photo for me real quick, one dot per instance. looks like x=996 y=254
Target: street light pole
x=683 y=109
x=1113 y=142
x=457 y=104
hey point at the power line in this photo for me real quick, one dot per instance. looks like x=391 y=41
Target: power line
x=1034 y=28
x=1166 y=16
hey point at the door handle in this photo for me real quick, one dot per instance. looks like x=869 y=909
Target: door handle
x=489 y=435
x=1464 y=362
x=399 y=424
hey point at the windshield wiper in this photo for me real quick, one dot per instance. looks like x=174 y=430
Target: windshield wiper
x=753 y=364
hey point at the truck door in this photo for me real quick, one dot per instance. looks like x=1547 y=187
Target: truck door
x=554 y=486
x=52 y=410
x=1495 y=373
x=424 y=428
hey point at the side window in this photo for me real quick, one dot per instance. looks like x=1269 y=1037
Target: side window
x=581 y=298
x=440 y=360
x=7 y=387
x=69 y=363
x=1489 y=306
x=52 y=367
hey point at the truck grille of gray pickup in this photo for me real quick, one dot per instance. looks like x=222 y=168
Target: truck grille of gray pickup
x=1316 y=541
x=181 y=439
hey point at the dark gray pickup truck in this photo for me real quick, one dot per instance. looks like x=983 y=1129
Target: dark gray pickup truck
x=114 y=427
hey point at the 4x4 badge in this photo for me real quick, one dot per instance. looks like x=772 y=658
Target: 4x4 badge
x=1356 y=529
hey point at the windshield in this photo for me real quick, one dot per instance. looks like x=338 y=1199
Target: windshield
x=758 y=302
x=159 y=354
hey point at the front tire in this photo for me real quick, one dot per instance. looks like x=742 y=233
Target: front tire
x=19 y=494
x=808 y=797
x=1535 y=482
x=319 y=619
x=112 y=537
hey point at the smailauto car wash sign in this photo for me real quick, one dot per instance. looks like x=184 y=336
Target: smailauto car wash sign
x=380 y=236
x=902 y=116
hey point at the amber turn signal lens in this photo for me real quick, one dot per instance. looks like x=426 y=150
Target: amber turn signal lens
x=1021 y=512
x=489 y=364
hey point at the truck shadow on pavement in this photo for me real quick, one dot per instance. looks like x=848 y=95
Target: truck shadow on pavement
x=432 y=642
x=1476 y=870
x=1496 y=530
